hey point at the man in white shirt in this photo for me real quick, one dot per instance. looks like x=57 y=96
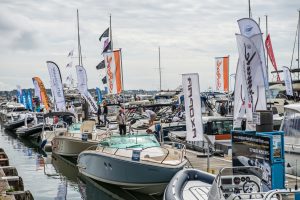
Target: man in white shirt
x=151 y=115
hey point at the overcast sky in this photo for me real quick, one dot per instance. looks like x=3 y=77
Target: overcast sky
x=190 y=33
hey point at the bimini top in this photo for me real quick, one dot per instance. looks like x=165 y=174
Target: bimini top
x=295 y=107
x=59 y=114
x=130 y=141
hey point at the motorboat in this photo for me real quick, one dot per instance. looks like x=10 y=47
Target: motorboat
x=11 y=111
x=55 y=123
x=133 y=162
x=16 y=122
x=216 y=133
x=32 y=129
x=291 y=127
x=230 y=184
x=77 y=138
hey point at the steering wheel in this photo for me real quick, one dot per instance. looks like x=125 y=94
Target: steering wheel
x=251 y=187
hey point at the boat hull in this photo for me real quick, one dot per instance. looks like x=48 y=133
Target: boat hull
x=70 y=146
x=143 y=177
x=29 y=132
x=16 y=124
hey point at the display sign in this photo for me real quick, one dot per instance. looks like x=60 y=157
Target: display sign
x=252 y=150
x=136 y=154
x=256 y=118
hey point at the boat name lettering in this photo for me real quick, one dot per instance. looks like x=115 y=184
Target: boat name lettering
x=248 y=59
x=191 y=107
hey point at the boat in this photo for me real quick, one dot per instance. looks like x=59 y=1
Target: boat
x=13 y=124
x=291 y=126
x=32 y=129
x=76 y=139
x=230 y=184
x=11 y=111
x=133 y=162
x=55 y=123
x=216 y=133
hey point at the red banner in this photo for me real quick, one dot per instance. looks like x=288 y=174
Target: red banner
x=269 y=48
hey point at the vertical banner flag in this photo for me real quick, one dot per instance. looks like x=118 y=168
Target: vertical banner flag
x=56 y=86
x=288 y=81
x=248 y=28
x=270 y=52
x=222 y=74
x=19 y=94
x=83 y=88
x=29 y=100
x=252 y=74
x=191 y=91
x=99 y=95
x=239 y=96
x=113 y=71
x=24 y=98
x=39 y=87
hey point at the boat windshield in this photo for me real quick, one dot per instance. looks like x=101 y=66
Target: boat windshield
x=130 y=141
x=291 y=123
x=218 y=127
x=74 y=127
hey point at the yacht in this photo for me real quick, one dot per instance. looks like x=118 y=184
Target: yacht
x=133 y=162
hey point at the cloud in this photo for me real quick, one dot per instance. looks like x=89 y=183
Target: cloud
x=190 y=32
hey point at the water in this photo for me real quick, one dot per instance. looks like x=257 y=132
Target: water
x=53 y=177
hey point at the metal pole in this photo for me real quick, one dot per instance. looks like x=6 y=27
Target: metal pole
x=249 y=8
x=208 y=161
x=259 y=21
x=298 y=41
x=110 y=33
x=78 y=39
x=267 y=63
x=159 y=68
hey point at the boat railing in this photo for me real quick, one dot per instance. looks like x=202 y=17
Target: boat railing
x=167 y=154
x=277 y=194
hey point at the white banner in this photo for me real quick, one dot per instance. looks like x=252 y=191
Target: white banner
x=113 y=71
x=252 y=73
x=56 y=86
x=249 y=28
x=288 y=81
x=239 y=97
x=37 y=91
x=83 y=88
x=191 y=91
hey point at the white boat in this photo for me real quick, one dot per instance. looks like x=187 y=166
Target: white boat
x=291 y=127
x=77 y=138
x=230 y=184
x=133 y=162
x=54 y=124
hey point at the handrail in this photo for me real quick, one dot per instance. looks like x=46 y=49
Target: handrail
x=271 y=193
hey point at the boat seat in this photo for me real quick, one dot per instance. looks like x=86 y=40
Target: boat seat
x=87 y=126
x=196 y=190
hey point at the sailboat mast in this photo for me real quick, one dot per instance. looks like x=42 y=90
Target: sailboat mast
x=298 y=41
x=78 y=39
x=249 y=8
x=110 y=33
x=267 y=63
x=159 y=68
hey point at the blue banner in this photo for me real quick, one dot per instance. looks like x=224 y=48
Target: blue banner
x=19 y=99
x=99 y=95
x=29 y=100
x=24 y=98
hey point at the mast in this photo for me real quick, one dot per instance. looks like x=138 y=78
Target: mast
x=110 y=33
x=78 y=38
x=267 y=63
x=298 y=41
x=249 y=8
x=159 y=68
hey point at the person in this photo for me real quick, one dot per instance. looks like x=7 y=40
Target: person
x=151 y=115
x=105 y=113
x=222 y=109
x=99 y=114
x=121 y=119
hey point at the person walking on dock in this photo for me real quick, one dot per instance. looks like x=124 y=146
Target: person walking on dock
x=121 y=119
x=105 y=113
x=151 y=115
x=99 y=114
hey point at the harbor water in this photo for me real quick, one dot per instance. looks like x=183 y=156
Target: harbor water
x=50 y=176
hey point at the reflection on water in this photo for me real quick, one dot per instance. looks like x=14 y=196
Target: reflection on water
x=54 y=177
